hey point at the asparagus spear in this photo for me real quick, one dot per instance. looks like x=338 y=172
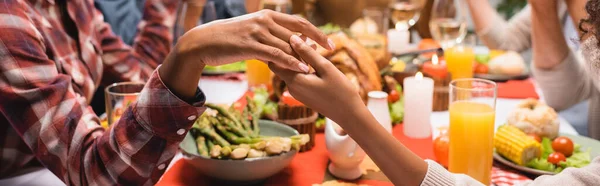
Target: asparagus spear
x=244 y=119
x=255 y=113
x=206 y=129
x=209 y=145
x=232 y=137
x=230 y=117
x=201 y=143
x=226 y=151
x=224 y=121
x=215 y=152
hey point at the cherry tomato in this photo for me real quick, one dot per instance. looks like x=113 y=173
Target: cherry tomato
x=481 y=68
x=563 y=145
x=440 y=149
x=287 y=99
x=556 y=157
x=535 y=137
x=393 y=96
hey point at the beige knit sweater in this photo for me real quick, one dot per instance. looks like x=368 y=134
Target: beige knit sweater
x=588 y=175
x=563 y=86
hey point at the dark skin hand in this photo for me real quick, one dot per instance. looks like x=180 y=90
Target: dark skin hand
x=263 y=35
x=330 y=93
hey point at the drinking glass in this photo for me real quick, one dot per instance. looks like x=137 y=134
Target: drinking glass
x=459 y=60
x=405 y=13
x=472 y=114
x=448 y=22
x=118 y=97
x=379 y=16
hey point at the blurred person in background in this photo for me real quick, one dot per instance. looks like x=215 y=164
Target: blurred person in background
x=123 y=15
x=564 y=78
x=516 y=35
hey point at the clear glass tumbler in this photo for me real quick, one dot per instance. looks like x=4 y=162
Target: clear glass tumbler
x=472 y=115
x=118 y=97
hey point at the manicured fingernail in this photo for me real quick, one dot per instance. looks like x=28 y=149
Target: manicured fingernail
x=303 y=67
x=296 y=39
x=331 y=44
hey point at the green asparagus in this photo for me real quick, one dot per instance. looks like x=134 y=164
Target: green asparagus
x=255 y=113
x=206 y=129
x=215 y=152
x=244 y=115
x=226 y=151
x=230 y=117
x=201 y=143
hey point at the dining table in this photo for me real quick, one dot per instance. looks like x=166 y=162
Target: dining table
x=310 y=167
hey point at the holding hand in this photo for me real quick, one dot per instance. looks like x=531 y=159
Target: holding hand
x=263 y=35
x=328 y=91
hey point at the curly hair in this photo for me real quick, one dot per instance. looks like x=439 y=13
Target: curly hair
x=591 y=24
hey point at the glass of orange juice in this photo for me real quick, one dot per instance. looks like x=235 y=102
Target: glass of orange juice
x=459 y=60
x=257 y=73
x=472 y=114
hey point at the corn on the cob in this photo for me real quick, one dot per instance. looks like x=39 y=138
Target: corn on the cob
x=515 y=145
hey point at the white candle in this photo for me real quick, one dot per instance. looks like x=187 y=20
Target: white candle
x=418 y=100
x=397 y=40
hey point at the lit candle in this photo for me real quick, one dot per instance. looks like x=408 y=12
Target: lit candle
x=435 y=68
x=398 y=39
x=418 y=95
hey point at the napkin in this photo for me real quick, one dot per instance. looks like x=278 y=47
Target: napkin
x=517 y=89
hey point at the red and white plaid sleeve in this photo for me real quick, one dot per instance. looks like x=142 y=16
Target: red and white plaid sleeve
x=64 y=133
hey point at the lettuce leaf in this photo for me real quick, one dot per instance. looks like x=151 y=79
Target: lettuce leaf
x=397 y=111
x=546 y=147
x=578 y=159
x=541 y=164
x=397 y=108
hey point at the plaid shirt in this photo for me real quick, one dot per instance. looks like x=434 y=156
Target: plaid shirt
x=47 y=80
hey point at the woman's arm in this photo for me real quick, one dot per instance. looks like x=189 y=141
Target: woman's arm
x=557 y=70
x=345 y=107
x=576 y=9
x=497 y=33
x=549 y=45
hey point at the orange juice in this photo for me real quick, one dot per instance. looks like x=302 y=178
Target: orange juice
x=258 y=73
x=471 y=139
x=460 y=61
